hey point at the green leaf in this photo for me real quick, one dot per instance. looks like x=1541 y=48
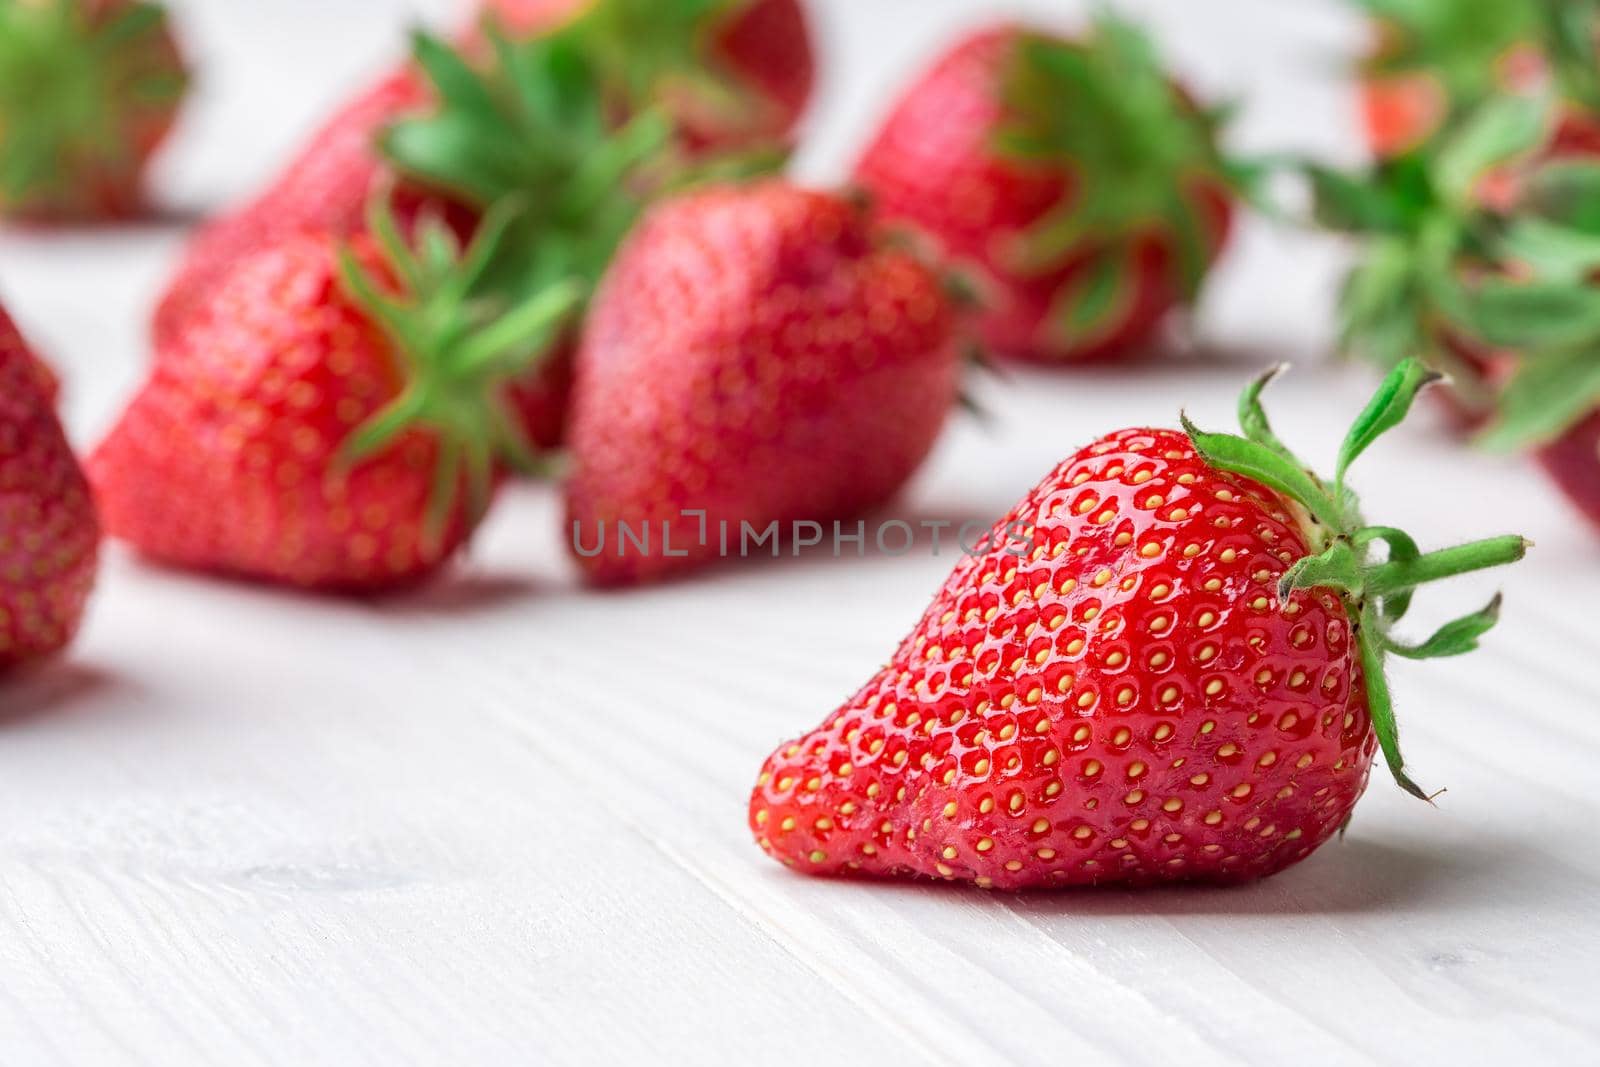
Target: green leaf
x=456 y=351
x=1253 y=416
x=1503 y=129
x=1094 y=301
x=1381 y=305
x=1338 y=567
x=1386 y=410
x=1534 y=315
x=1566 y=191
x=1453 y=638
x=1104 y=108
x=1351 y=204
x=1553 y=252
x=1550 y=392
x=1266 y=465
x=1380 y=703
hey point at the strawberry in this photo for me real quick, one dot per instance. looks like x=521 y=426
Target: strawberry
x=1572 y=461
x=733 y=72
x=1165 y=664
x=1429 y=227
x=1479 y=254
x=88 y=91
x=49 y=537
x=755 y=354
x=1434 y=61
x=326 y=187
x=1081 y=188
x=335 y=422
x=459 y=136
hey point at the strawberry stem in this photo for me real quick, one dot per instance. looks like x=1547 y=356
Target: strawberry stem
x=1376 y=593
x=455 y=352
x=1402 y=576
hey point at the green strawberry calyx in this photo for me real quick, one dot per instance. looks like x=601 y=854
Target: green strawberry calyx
x=532 y=126
x=1464 y=44
x=1476 y=49
x=1142 y=157
x=649 y=50
x=70 y=86
x=1427 y=228
x=1546 y=307
x=457 y=351
x=1487 y=243
x=1374 y=569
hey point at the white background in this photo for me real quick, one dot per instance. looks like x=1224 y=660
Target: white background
x=502 y=820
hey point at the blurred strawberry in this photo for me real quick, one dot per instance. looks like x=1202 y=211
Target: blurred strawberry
x=88 y=90
x=49 y=538
x=732 y=73
x=531 y=119
x=1480 y=253
x=1427 y=225
x=1435 y=61
x=338 y=422
x=755 y=355
x=326 y=187
x=1081 y=187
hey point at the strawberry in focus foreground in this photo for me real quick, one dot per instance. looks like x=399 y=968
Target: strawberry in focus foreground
x=1082 y=189
x=1179 y=677
x=340 y=422
x=756 y=354
x=88 y=91
x=49 y=537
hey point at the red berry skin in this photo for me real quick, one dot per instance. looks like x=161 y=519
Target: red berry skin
x=227 y=459
x=1573 y=462
x=1123 y=702
x=49 y=536
x=1400 y=112
x=753 y=353
x=934 y=164
x=326 y=187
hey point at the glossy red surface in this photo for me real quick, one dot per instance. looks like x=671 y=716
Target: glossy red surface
x=1123 y=701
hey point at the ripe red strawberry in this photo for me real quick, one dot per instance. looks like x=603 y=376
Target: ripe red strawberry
x=88 y=91
x=733 y=72
x=334 y=423
x=1167 y=664
x=326 y=187
x=49 y=538
x=1080 y=186
x=755 y=354
x=1573 y=461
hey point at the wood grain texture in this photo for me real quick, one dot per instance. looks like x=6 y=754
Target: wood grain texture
x=502 y=820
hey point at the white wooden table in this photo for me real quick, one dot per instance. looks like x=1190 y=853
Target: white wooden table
x=502 y=821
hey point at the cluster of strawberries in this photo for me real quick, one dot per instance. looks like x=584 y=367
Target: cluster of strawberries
x=558 y=230
x=1477 y=230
